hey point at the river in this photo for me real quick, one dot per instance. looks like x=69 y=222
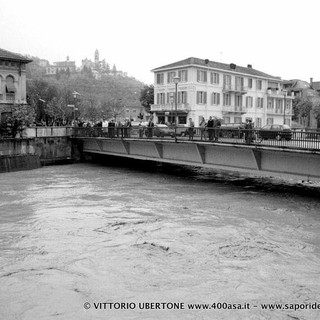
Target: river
x=90 y=241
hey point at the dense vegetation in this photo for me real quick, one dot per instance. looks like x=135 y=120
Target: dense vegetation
x=54 y=101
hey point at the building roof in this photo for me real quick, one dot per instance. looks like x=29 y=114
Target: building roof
x=316 y=85
x=217 y=65
x=7 y=55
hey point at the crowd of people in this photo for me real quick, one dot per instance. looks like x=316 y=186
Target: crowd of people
x=210 y=129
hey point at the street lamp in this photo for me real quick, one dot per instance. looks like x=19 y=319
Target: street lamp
x=75 y=96
x=176 y=80
x=284 y=107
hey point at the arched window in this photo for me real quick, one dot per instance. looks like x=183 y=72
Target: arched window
x=10 y=87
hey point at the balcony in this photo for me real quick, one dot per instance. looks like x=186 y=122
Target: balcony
x=234 y=89
x=278 y=112
x=170 y=107
x=234 y=109
x=10 y=97
x=276 y=93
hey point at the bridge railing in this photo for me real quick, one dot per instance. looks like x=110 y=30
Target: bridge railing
x=299 y=139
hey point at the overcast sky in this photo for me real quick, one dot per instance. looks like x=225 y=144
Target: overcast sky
x=278 y=37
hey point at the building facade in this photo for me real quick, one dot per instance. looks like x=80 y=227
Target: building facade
x=12 y=81
x=207 y=88
x=59 y=66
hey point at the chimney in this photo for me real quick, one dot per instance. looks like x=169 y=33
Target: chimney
x=249 y=66
x=311 y=81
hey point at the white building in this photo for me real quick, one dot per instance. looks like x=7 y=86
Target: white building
x=12 y=81
x=207 y=88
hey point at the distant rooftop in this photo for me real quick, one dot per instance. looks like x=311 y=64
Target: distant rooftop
x=7 y=55
x=217 y=65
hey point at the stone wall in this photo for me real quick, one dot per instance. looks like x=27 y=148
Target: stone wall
x=30 y=153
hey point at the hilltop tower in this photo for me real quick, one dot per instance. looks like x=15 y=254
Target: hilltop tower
x=96 y=57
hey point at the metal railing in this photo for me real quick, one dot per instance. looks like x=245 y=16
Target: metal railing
x=299 y=139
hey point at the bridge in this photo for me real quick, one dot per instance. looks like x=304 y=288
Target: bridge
x=297 y=158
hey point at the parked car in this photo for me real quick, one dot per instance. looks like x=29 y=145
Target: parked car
x=232 y=130
x=275 y=131
x=162 y=130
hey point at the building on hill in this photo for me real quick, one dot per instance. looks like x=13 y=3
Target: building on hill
x=59 y=66
x=99 y=67
x=227 y=91
x=12 y=81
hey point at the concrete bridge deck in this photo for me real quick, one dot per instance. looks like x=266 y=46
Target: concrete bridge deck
x=258 y=159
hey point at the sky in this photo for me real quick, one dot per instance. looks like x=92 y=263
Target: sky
x=278 y=37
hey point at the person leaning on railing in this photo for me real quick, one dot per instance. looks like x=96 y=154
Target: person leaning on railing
x=210 y=128
x=249 y=131
x=203 y=132
x=150 y=128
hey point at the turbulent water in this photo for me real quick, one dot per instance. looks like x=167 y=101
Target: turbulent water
x=78 y=240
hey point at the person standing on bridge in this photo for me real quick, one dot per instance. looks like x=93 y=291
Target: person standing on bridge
x=191 y=129
x=210 y=128
x=216 y=130
x=203 y=129
x=150 y=128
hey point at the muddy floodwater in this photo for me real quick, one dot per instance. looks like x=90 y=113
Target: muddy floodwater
x=89 y=241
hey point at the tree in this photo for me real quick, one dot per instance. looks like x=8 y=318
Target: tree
x=114 y=70
x=113 y=109
x=305 y=109
x=316 y=113
x=22 y=115
x=147 y=97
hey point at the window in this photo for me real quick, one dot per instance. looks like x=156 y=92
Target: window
x=269 y=121
x=182 y=119
x=201 y=97
x=183 y=75
x=215 y=98
x=258 y=122
x=259 y=102
x=182 y=97
x=249 y=102
x=227 y=81
x=239 y=83
x=250 y=83
x=259 y=84
x=160 y=78
x=10 y=87
x=170 y=97
x=171 y=75
x=201 y=76
x=238 y=102
x=226 y=119
x=160 y=98
x=270 y=103
x=237 y=119
x=226 y=99
x=214 y=78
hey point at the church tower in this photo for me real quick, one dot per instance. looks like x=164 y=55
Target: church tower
x=96 y=57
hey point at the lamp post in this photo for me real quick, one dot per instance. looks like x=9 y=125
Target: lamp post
x=75 y=96
x=176 y=80
x=284 y=107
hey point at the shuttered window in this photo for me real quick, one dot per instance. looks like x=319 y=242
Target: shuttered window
x=160 y=78
x=201 y=97
x=214 y=78
x=183 y=75
x=201 y=76
x=215 y=98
